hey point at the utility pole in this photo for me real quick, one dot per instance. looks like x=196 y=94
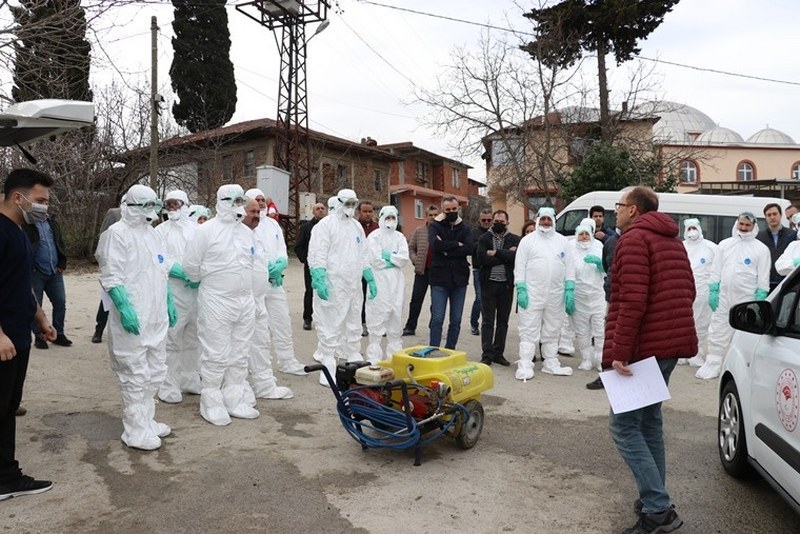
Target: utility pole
x=292 y=151
x=154 y=104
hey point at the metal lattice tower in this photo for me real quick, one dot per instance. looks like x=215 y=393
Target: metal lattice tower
x=292 y=146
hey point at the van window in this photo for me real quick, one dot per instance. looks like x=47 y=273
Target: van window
x=566 y=224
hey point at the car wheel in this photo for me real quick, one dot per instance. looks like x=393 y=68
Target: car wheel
x=470 y=429
x=730 y=429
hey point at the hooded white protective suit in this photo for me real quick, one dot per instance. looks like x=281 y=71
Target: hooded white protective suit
x=543 y=264
x=338 y=245
x=221 y=257
x=566 y=340
x=590 y=304
x=791 y=256
x=385 y=313
x=183 y=356
x=703 y=257
x=273 y=325
x=196 y=211
x=742 y=267
x=132 y=257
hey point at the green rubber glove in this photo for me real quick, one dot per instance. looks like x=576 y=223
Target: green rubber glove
x=370 y=278
x=761 y=294
x=387 y=257
x=796 y=262
x=172 y=311
x=522 y=295
x=177 y=272
x=276 y=269
x=594 y=260
x=713 y=296
x=319 y=281
x=127 y=315
x=189 y=283
x=569 y=296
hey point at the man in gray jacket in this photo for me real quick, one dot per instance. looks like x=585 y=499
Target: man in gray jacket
x=420 y=256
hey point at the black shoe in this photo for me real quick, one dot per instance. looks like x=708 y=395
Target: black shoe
x=62 y=340
x=595 y=384
x=364 y=331
x=408 y=332
x=97 y=337
x=476 y=331
x=24 y=485
x=307 y=324
x=487 y=361
x=666 y=521
x=20 y=411
x=500 y=360
x=40 y=344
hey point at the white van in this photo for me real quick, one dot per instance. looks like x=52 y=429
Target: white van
x=717 y=213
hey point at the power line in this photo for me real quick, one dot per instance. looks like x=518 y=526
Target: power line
x=717 y=71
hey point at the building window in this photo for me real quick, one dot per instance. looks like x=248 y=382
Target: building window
x=249 y=163
x=456 y=178
x=341 y=177
x=422 y=171
x=227 y=168
x=745 y=172
x=506 y=151
x=796 y=171
x=688 y=172
x=418 y=209
x=378 y=177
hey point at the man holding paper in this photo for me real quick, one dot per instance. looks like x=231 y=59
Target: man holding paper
x=650 y=314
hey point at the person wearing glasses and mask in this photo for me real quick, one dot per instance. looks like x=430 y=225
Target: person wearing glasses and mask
x=484 y=223
x=338 y=260
x=133 y=272
x=221 y=257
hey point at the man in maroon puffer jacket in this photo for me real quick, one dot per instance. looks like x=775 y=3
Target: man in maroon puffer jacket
x=650 y=314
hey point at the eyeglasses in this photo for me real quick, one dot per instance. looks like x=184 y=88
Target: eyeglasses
x=149 y=205
x=619 y=205
x=486 y=220
x=173 y=203
x=236 y=201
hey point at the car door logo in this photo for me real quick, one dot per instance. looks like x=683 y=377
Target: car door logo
x=787 y=400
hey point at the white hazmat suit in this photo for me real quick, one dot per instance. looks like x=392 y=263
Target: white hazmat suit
x=221 y=257
x=742 y=274
x=791 y=256
x=566 y=340
x=388 y=254
x=545 y=272
x=133 y=271
x=590 y=303
x=337 y=257
x=703 y=258
x=183 y=357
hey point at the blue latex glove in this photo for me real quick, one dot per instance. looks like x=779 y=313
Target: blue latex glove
x=172 y=311
x=319 y=281
x=522 y=295
x=569 y=296
x=127 y=315
x=796 y=262
x=594 y=260
x=370 y=278
x=761 y=294
x=386 y=255
x=713 y=296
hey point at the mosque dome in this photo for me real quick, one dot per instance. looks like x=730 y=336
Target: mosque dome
x=719 y=136
x=770 y=136
x=678 y=123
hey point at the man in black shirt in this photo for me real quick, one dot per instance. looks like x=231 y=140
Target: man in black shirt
x=777 y=237
x=26 y=196
x=301 y=249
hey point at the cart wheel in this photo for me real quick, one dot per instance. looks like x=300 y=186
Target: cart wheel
x=470 y=430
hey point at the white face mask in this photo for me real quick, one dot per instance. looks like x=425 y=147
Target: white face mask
x=390 y=225
x=692 y=234
x=173 y=215
x=544 y=229
x=239 y=212
x=349 y=212
x=38 y=212
x=583 y=245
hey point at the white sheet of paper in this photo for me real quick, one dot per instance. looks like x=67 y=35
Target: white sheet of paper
x=645 y=387
x=106 y=300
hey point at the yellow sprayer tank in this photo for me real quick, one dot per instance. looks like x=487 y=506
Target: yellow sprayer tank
x=423 y=364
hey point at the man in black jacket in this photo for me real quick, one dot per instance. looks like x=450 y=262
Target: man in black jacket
x=451 y=243
x=484 y=222
x=777 y=237
x=497 y=249
x=301 y=249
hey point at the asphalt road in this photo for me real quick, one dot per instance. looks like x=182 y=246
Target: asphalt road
x=544 y=463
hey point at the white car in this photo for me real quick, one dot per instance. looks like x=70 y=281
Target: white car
x=759 y=400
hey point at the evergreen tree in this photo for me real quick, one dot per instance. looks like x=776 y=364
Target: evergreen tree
x=201 y=71
x=566 y=30
x=52 y=53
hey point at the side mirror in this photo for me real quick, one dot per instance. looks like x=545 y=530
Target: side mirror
x=755 y=317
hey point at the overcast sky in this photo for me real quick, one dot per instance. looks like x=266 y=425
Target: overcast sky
x=361 y=68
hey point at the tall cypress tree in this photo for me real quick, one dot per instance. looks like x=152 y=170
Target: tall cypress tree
x=201 y=71
x=52 y=53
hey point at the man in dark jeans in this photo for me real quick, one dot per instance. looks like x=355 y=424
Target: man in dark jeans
x=26 y=194
x=113 y=215
x=497 y=249
x=420 y=254
x=301 y=249
x=777 y=237
x=49 y=262
x=484 y=222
